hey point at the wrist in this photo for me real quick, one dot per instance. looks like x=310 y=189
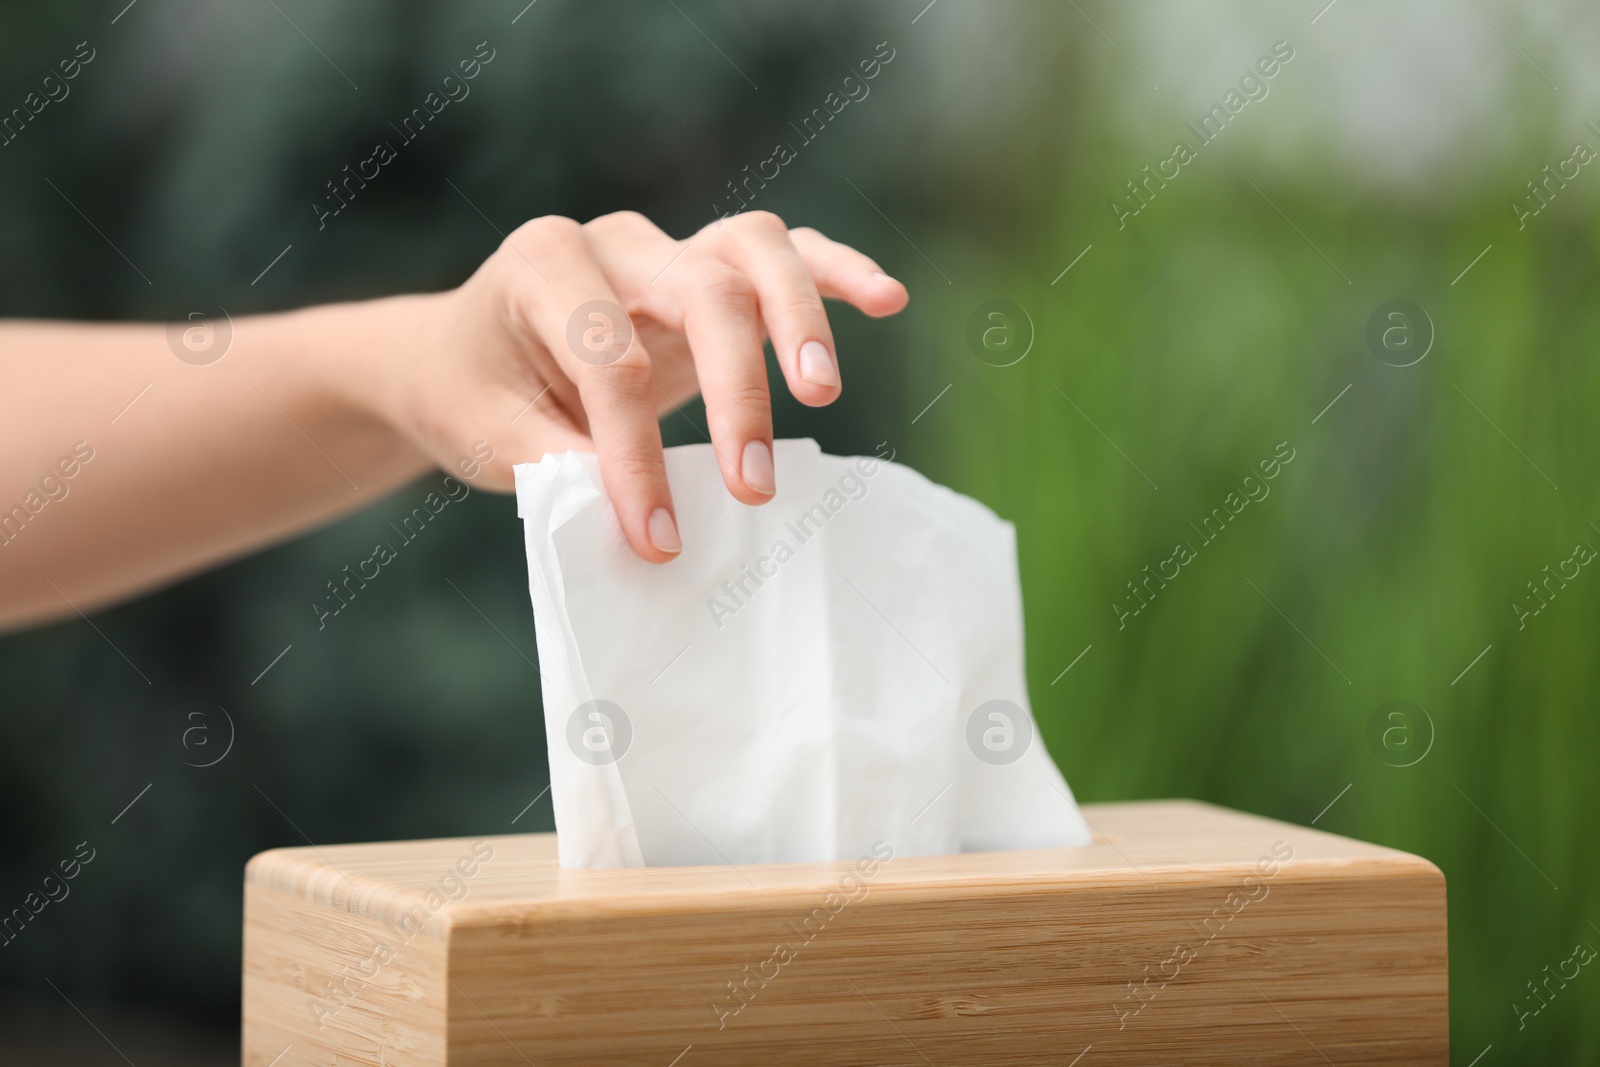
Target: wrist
x=344 y=368
x=374 y=353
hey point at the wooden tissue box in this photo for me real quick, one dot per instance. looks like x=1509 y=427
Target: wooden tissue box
x=1187 y=934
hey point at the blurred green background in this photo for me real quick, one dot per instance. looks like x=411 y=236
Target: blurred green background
x=1183 y=345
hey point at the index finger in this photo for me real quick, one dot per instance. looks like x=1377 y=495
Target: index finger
x=579 y=319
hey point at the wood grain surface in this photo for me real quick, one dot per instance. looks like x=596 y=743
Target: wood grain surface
x=1187 y=934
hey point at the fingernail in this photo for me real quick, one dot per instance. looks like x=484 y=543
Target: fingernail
x=882 y=277
x=816 y=364
x=755 y=467
x=664 y=532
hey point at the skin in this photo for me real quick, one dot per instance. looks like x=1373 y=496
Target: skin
x=312 y=414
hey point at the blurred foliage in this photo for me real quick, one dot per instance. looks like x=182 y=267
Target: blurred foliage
x=1177 y=353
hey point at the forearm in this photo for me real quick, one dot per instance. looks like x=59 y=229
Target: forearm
x=188 y=465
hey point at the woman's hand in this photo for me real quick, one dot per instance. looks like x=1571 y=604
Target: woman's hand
x=583 y=336
x=568 y=336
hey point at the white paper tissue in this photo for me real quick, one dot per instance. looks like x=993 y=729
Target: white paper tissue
x=838 y=667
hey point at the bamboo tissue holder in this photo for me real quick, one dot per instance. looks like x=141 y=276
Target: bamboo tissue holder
x=1186 y=934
